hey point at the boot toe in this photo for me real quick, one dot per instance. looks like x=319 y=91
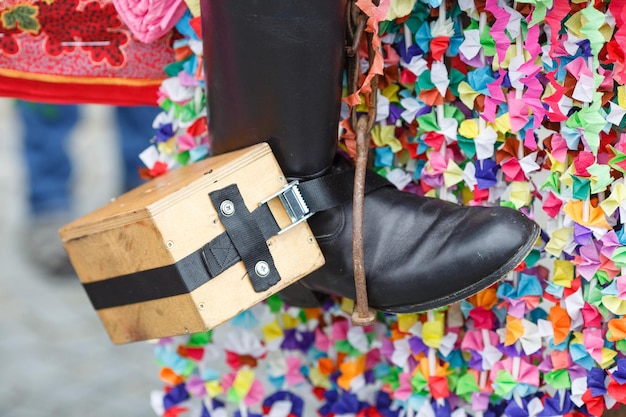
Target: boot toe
x=481 y=246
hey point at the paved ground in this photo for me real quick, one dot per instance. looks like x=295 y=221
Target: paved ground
x=55 y=358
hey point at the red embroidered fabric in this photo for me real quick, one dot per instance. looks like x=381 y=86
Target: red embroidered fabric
x=71 y=51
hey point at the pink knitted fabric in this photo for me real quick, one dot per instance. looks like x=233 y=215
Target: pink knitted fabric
x=149 y=20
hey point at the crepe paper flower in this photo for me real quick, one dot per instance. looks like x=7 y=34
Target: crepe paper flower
x=574 y=209
x=616 y=200
x=557 y=405
x=559 y=240
x=520 y=194
x=244 y=342
x=466 y=385
x=504 y=383
x=283 y=404
x=433 y=331
x=177 y=364
x=614 y=304
x=350 y=370
x=580 y=356
x=595 y=405
x=242 y=387
x=563 y=273
x=384 y=136
x=176 y=395
x=560 y=323
x=600 y=177
x=482 y=318
x=558 y=379
x=530 y=339
x=438 y=387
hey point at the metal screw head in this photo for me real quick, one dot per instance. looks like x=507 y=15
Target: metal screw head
x=227 y=208
x=169 y=244
x=262 y=269
x=201 y=306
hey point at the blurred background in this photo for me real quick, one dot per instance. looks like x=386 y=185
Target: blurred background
x=55 y=357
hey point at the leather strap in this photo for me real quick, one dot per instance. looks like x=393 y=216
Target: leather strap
x=221 y=253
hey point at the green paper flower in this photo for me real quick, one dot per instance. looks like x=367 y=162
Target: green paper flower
x=558 y=378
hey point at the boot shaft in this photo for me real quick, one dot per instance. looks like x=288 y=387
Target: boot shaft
x=273 y=72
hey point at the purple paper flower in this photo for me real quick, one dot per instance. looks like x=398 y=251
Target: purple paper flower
x=176 y=395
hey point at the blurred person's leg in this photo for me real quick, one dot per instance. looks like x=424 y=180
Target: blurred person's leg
x=135 y=131
x=46 y=128
x=49 y=180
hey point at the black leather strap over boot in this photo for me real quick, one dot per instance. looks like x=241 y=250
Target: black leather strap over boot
x=273 y=74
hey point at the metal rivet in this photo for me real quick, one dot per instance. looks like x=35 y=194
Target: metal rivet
x=311 y=239
x=201 y=306
x=262 y=269
x=227 y=208
x=169 y=244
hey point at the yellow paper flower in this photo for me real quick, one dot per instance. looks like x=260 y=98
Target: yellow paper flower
x=614 y=305
x=467 y=94
x=167 y=147
x=607 y=357
x=502 y=124
x=612 y=202
x=399 y=8
x=384 y=136
x=556 y=165
x=391 y=92
x=194 y=7
x=432 y=331
x=243 y=381
x=406 y=321
x=520 y=194
x=272 y=331
x=290 y=322
x=596 y=218
x=319 y=380
x=563 y=273
x=347 y=305
x=469 y=128
x=452 y=175
x=558 y=240
x=213 y=388
x=575 y=23
x=621 y=96
x=566 y=177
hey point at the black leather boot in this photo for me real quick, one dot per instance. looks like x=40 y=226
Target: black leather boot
x=273 y=74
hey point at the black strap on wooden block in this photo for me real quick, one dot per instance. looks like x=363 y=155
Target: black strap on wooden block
x=246 y=236
x=221 y=253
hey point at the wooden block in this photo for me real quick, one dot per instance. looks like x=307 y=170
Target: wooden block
x=157 y=226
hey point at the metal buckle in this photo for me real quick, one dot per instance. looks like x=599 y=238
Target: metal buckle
x=294 y=204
